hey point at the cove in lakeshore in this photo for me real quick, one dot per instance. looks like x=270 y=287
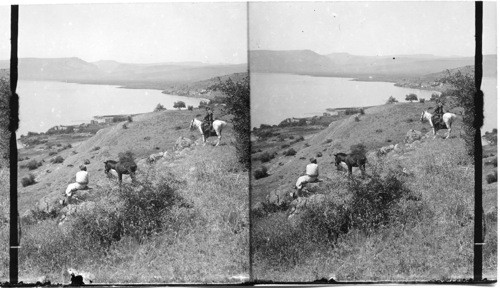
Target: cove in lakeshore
x=45 y=104
x=275 y=97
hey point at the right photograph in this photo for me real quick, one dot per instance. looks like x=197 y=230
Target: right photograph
x=362 y=142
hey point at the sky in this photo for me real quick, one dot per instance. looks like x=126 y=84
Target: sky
x=371 y=28
x=133 y=33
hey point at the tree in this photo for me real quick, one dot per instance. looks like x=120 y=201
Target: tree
x=203 y=104
x=159 y=107
x=462 y=95
x=179 y=105
x=237 y=102
x=391 y=100
x=411 y=97
x=434 y=97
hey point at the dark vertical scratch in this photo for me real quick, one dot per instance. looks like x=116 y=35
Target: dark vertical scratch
x=13 y=125
x=250 y=250
x=478 y=122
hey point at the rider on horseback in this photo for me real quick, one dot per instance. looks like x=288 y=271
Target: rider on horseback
x=208 y=121
x=438 y=114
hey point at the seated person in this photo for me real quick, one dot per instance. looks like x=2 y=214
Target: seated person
x=312 y=173
x=82 y=180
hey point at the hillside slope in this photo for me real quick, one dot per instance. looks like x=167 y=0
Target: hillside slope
x=421 y=194
x=201 y=238
x=380 y=126
x=148 y=133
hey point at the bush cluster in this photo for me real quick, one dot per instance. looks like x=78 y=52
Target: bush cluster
x=260 y=172
x=492 y=177
x=27 y=181
x=265 y=157
x=290 y=152
x=58 y=159
x=33 y=164
x=142 y=213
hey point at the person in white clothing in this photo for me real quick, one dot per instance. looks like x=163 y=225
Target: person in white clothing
x=312 y=173
x=82 y=180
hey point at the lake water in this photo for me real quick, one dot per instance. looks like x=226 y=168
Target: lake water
x=45 y=104
x=275 y=97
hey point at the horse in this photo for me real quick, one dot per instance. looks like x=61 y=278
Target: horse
x=448 y=119
x=351 y=160
x=218 y=125
x=128 y=168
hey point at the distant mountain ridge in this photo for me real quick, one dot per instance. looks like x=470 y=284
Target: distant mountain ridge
x=308 y=62
x=151 y=75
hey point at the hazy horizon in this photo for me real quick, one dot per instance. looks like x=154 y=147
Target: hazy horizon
x=136 y=33
x=374 y=28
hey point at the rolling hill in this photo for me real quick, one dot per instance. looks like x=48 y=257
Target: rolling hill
x=153 y=75
x=346 y=65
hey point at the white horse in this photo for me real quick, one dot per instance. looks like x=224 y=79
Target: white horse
x=218 y=125
x=448 y=119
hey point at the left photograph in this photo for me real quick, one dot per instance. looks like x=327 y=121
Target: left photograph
x=133 y=143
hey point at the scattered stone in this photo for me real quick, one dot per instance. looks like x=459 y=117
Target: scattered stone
x=86 y=162
x=412 y=136
x=319 y=154
x=182 y=143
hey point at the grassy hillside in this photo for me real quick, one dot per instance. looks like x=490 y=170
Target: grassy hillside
x=199 y=236
x=410 y=219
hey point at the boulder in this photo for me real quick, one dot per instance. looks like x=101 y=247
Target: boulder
x=302 y=204
x=280 y=197
x=412 y=136
x=182 y=143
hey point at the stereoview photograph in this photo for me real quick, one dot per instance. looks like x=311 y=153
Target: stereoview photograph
x=133 y=160
x=362 y=141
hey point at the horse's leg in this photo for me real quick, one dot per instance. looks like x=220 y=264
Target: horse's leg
x=449 y=130
x=119 y=177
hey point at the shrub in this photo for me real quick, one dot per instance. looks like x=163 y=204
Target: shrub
x=391 y=100
x=421 y=100
x=58 y=159
x=285 y=146
x=179 y=105
x=359 y=148
x=265 y=157
x=126 y=156
x=203 y=104
x=409 y=120
x=96 y=148
x=462 y=95
x=411 y=97
x=27 y=181
x=145 y=210
x=190 y=108
x=290 y=152
x=124 y=126
x=492 y=177
x=52 y=153
x=33 y=164
x=159 y=107
x=178 y=128
x=328 y=141
x=356 y=119
x=373 y=202
x=291 y=137
x=260 y=172
x=307 y=145
x=379 y=131
x=129 y=119
x=237 y=102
